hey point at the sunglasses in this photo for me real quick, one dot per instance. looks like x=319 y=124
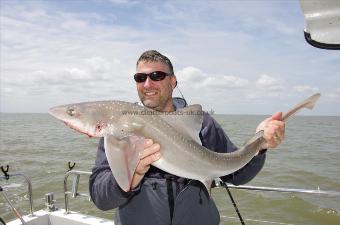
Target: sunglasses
x=154 y=76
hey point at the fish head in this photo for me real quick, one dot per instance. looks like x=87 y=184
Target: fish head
x=91 y=118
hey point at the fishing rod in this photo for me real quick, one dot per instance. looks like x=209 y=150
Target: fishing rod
x=15 y=211
x=223 y=184
x=2 y=221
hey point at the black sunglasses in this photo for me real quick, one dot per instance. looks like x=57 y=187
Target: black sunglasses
x=155 y=76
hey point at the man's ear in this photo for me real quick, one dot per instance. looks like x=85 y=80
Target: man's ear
x=173 y=81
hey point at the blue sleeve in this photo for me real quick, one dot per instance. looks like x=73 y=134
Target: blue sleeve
x=214 y=138
x=104 y=190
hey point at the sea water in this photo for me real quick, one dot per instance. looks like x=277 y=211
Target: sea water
x=309 y=158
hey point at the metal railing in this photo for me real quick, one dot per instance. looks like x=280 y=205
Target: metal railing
x=291 y=190
x=77 y=173
x=74 y=192
x=29 y=185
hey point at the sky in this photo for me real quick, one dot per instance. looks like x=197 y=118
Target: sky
x=234 y=57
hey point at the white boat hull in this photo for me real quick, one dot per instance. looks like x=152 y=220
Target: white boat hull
x=59 y=217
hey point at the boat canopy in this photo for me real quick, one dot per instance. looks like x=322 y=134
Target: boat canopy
x=322 y=23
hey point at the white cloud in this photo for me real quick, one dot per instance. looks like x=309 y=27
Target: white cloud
x=194 y=77
x=269 y=83
x=332 y=95
x=191 y=74
x=74 y=24
x=65 y=54
x=61 y=54
x=99 y=64
x=305 y=88
x=8 y=90
x=225 y=82
x=283 y=27
x=123 y=1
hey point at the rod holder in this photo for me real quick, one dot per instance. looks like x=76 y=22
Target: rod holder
x=74 y=191
x=49 y=202
x=75 y=185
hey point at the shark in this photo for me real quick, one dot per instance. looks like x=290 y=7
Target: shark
x=125 y=126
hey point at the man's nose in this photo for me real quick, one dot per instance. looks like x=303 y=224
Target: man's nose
x=147 y=83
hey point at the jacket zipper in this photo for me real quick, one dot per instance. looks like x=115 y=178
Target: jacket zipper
x=186 y=187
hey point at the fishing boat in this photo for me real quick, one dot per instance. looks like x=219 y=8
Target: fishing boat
x=322 y=31
x=53 y=215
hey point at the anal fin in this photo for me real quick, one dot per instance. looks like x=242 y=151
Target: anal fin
x=207 y=184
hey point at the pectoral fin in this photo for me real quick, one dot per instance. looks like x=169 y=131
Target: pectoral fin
x=123 y=156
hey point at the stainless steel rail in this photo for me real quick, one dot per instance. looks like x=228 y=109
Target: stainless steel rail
x=74 y=193
x=29 y=184
x=291 y=190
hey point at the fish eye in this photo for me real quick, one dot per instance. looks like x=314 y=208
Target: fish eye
x=71 y=111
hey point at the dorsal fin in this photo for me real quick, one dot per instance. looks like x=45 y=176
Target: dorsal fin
x=187 y=121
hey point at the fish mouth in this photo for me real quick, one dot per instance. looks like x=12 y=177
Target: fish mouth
x=78 y=129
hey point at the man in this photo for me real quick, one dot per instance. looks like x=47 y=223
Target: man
x=157 y=197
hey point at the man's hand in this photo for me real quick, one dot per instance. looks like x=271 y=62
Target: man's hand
x=150 y=154
x=274 y=130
